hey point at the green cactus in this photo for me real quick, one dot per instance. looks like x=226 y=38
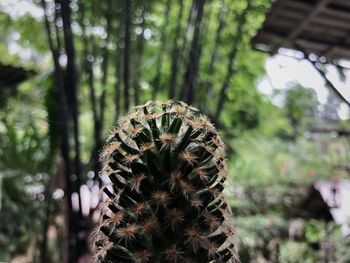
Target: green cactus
x=166 y=166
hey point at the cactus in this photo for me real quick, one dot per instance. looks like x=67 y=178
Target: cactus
x=164 y=202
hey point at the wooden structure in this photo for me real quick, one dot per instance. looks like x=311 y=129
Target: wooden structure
x=329 y=201
x=320 y=27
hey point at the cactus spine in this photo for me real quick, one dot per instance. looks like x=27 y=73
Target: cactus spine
x=166 y=166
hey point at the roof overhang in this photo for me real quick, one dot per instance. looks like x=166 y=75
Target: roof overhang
x=320 y=27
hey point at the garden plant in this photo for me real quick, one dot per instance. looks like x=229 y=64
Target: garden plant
x=166 y=167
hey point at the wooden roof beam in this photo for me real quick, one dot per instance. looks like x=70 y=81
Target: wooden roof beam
x=271 y=37
x=307 y=7
x=318 y=8
x=329 y=83
x=275 y=10
x=331 y=50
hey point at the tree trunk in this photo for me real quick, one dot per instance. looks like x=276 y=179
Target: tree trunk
x=163 y=41
x=71 y=82
x=102 y=102
x=71 y=87
x=188 y=27
x=126 y=73
x=217 y=42
x=175 y=55
x=87 y=65
x=232 y=56
x=194 y=56
x=94 y=107
x=140 y=50
x=118 y=64
x=65 y=148
x=44 y=257
x=105 y=61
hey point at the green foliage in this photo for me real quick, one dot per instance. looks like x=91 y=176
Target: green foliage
x=292 y=252
x=300 y=105
x=323 y=243
x=24 y=172
x=273 y=122
x=274 y=176
x=25 y=26
x=261 y=160
x=27 y=161
x=18 y=43
x=167 y=171
x=260 y=236
x=264 y=238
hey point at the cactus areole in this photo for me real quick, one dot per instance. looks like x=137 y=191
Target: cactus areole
x=166 y=167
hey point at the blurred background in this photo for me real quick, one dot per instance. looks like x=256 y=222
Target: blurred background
x=274 y=77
